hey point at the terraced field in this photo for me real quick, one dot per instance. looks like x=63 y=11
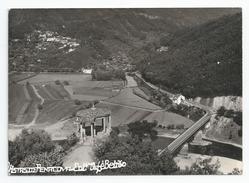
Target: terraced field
x=79 y=86
x=53 y=111
x=22 y=103
x=52 y=92
x=44 y=78
x=17 y=100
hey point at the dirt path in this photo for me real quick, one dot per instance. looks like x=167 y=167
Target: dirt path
x=16 y=129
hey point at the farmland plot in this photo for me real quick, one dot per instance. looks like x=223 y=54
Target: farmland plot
x=165 y=118
x=53 y=111
x=124 y=115
x=51 y=77
x=127 y=97
x=17 y=100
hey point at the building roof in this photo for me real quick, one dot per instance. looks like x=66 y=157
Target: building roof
x=89 y=115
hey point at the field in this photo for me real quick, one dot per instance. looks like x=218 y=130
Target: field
x=58 y=97
x=124 y=115
x=17 y=100
x=22 y=103
x=51 y=77
x=128 y=98
x=79 y=86
x=165 y=118
x=16 y=77
x=53 y=111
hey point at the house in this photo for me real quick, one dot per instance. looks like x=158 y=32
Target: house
x=87 y=71
x=178 y=98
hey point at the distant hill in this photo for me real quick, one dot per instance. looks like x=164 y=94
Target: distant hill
x=204 y=60
x=101 y=33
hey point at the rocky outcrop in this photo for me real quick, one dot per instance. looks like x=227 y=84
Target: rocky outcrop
x=229 y=102
x=223 y=129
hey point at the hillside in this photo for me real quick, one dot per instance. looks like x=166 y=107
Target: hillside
x=204 y=60
x=116 y=36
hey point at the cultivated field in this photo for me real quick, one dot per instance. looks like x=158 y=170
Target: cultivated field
x=58 y=97
x=124 y=115
x=165 y=118
x=22 y=103
x=51 y=77
x=53 y=111
x=128 y=98
x=15 y=77
x=79 y=86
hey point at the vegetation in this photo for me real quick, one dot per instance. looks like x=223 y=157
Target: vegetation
x=33 y=147
x=143 y=129
x=57 y=82
x=53 y=158
x=155 y=96
x=40 y=107
x=139 y=155
x=202 y=61
x=191 y=112
x=235 y=115
x=71 y=141
x=77 y=102
x=27 y=143
x=202 y=167
x=103 y=74
x=65 y=82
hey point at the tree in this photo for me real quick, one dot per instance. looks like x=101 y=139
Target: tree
x=40 y=107
x=143 y=129
x=65 y=82
x=70 y=142
x=53 y=158
x=77 y=102
x=203 y=167
x=29 y=142
x=236 y=171
x=140 y=156
x=57 y=82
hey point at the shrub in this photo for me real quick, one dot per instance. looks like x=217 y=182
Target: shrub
x=171 y=126
x=65 y=82
x=40 y=107
x=77 y=102
x=180 y=126
x=240 y=132
x=29 y=142
x=57 y=82
x=70 y=142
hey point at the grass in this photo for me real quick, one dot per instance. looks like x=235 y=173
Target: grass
x=127 y=97
x=16 y=77
x=123 y=115
x=16 y=100
x=165 y=118
x=53 y=111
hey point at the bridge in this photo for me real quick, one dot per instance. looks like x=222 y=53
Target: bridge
x=186 y=135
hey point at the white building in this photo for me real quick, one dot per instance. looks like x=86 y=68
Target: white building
x=87 y=71
x=178 y=98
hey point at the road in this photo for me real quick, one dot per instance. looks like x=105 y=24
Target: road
x=181 y=139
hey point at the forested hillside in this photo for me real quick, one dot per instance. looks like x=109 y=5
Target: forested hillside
x=204 y=60
x=117 y=36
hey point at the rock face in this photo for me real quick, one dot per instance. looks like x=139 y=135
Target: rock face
x=222 y=128
x=229 y=102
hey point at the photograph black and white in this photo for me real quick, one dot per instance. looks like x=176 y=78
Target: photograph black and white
x=125 y=91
